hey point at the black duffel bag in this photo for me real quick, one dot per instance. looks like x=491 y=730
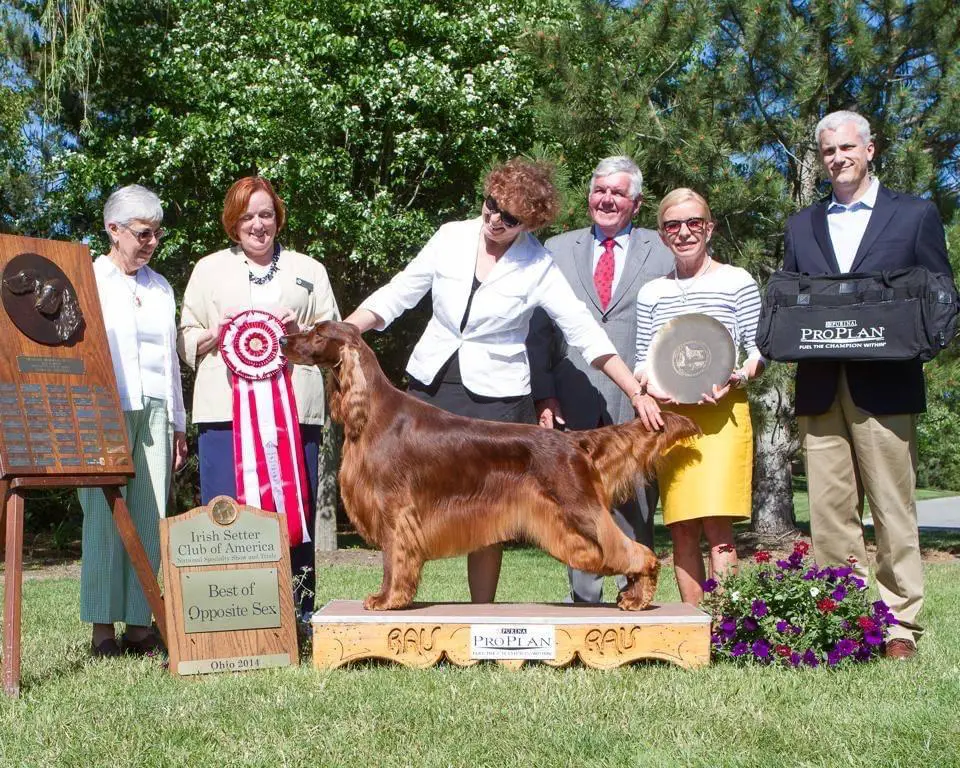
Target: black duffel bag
x=898 y=315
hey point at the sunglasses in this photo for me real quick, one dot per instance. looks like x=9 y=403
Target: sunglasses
x=509 y=220
x=144 y=236
x=695 y=225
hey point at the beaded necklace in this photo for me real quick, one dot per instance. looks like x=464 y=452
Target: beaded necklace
x=264 y=279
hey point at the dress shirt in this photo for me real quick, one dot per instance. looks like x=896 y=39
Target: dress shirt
x=847 y=223
x=621 y=243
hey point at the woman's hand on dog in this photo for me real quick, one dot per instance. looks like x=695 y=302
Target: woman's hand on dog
x=648 y=409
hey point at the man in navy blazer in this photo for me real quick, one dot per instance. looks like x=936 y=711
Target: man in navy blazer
x=564 y=384
x=858 y=419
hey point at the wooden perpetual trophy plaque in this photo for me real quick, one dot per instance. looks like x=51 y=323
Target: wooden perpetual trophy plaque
x=61 y=424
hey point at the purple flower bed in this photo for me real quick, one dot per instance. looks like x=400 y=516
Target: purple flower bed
x=792 y=612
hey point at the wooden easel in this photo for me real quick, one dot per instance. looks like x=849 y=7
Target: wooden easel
x=48 y=393
x=13 y=559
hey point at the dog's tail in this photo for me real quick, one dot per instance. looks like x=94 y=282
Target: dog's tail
x=623 y=451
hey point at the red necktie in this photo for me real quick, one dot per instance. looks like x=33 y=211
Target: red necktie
x=603 y=274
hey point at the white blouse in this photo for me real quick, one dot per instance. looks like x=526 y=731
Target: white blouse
x=140 y=318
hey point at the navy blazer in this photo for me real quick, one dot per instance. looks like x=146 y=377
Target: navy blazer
x=904 y=231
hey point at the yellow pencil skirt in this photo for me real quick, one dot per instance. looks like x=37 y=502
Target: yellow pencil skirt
x=710 y=475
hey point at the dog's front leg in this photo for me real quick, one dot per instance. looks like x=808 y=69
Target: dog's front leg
x=402 y=566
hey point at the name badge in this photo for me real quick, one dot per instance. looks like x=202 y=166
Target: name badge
x=305 y=284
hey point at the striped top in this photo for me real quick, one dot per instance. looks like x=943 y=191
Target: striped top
x=728 y=294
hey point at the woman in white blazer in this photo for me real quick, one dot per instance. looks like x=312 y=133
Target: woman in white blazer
x=487 y=275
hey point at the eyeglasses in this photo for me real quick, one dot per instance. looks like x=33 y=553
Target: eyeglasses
x=144 y=236
x=695 y=225
x=509 y=220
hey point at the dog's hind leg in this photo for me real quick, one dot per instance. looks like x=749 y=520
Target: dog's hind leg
x=402 y=566
x=638 y=562
x=605 y=551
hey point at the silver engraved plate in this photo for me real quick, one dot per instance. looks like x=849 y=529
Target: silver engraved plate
x=690 y=354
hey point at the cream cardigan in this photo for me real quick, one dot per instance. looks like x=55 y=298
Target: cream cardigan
x=220 y=282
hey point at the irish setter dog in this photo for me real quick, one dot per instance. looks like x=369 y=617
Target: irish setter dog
x=421 y=483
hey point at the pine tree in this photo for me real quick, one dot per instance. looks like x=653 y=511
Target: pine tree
x=723 y=97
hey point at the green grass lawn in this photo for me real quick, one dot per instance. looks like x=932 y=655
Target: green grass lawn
x=131 y=712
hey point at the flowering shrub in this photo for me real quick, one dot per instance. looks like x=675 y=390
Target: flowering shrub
x=793 y=613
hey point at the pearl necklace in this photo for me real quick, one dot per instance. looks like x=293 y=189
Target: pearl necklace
x=690 y=281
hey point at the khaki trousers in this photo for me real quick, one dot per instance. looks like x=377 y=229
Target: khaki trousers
x=850 y=453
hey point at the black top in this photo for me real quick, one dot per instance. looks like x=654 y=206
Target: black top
x=448 y=392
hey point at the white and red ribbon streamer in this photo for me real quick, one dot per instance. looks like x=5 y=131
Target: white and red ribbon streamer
x=268 y=451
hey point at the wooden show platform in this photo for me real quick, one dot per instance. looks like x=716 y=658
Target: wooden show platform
x=601 y=635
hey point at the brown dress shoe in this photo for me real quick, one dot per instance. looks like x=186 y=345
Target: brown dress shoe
x=900 y=649
x=105 y=649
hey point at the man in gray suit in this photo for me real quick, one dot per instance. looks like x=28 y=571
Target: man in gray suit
x=606 y=265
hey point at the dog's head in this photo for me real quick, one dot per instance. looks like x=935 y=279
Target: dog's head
x=336 y=346
x=322 y=345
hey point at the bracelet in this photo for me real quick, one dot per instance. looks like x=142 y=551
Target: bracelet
x=638 y=393
x=742 y=379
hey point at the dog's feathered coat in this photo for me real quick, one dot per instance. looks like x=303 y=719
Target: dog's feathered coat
x=421 y=483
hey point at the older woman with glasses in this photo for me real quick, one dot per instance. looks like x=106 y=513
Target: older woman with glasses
x=487 y=275
x=139 y=312
x=257 y=272
x=705 y=485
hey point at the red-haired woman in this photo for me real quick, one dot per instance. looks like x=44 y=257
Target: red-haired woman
x=255 y=273
x=487 y=275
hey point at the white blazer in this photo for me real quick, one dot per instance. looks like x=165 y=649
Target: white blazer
x=493 y=352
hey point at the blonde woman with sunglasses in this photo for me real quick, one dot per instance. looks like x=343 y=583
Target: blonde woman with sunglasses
x=486 y=276
x=704 y=485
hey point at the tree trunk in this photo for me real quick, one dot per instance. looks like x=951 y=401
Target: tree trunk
x=325 y=519
x=775 y=424
x=774 y=448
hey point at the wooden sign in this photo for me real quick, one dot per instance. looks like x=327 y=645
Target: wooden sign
x=60 y=420
x=59 y=409
x=229 y=596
